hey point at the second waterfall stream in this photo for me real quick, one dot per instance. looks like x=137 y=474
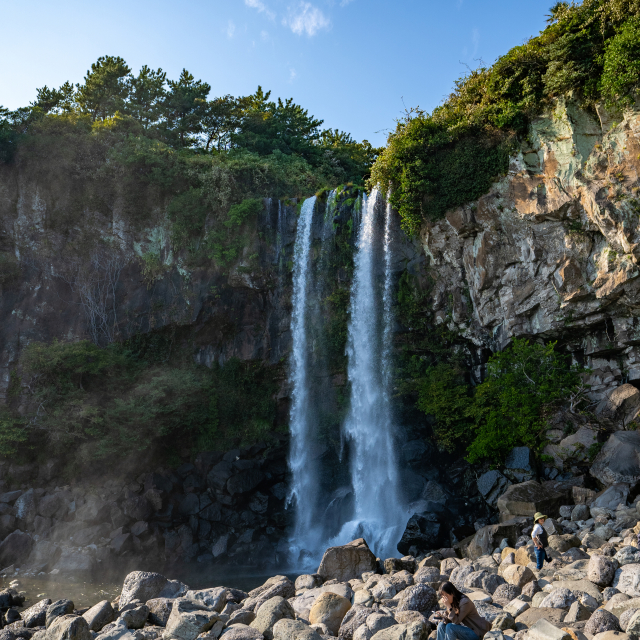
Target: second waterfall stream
x=377 y=513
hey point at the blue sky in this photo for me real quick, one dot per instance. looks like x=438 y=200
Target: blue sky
x=353 y=63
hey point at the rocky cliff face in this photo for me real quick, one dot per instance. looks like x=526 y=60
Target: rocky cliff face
x=552 y=251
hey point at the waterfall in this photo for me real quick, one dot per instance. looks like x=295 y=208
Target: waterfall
x=304 y=486
x=379 y=516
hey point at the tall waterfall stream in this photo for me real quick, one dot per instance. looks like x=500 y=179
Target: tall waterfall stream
x=368 y=430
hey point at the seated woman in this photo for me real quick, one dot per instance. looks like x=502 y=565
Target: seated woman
x=461 y=620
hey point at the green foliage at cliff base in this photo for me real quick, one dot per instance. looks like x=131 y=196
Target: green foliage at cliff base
x=139 y=396
x=504 y=411
x=435 y=161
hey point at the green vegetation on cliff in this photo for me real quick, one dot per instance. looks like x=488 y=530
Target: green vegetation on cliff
x=440 y=160
x=507 y=409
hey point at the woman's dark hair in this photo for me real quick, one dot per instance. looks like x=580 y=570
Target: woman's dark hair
x=450 y=589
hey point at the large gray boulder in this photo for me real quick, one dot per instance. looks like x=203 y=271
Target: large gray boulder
x=303 y=603
x=601 y=570
x=621 y=404
x=99 y=615
x=355 y=618
x=412 y=631
x=601 y=621
x=57 y=609
x=347 y=562
x=527 y=498
x=519 y=465
x=241 y=632
x=26 y=507
x=188 y=620
x=141 y=585
x=611 y=497
x=619 y=459
x=69 y=627
x=627 y=580
x=419 y=597
x=427 y=528
x=269 y=613
x=135 y=617
x=489 y=537
x=159 y=611
x=36 y=615
x=214 y=599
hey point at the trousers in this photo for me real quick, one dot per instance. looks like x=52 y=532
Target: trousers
x=541 y=556
x=455 y=632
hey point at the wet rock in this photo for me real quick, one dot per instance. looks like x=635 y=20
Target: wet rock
x=428 y=528
x=26 y=507
x=69 y=627
x=99 y=615
x=269 y=613
x=188 y=620
x=347 y=562
x=57 y=609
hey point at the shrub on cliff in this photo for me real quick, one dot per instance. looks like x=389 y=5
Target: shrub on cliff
x=440 y=160
x=504 y=411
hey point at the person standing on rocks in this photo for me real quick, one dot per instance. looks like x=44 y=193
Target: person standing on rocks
x=461 y=620
x=540 y=540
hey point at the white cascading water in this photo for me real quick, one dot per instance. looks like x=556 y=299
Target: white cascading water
x=379 y=516
x=303 y=468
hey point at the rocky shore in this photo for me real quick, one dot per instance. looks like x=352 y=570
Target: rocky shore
x=590 y=589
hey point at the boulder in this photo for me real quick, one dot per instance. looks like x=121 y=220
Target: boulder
x=627 y=580
x=619 y=459
x=26 y=507
x=410 y=631
x=600 y=621
x=577 y=613
x=214 y=599
x=75 y=564
x=307 y=581
x=329 y=609
x=518 y=575
x=419 y=597
x=631 y=623
x=188 y=620
x=99 y=615
x=611 y=497
x=57 y=609
x=244 y=481
x=347 y=562
x=505 y=593
x=269 y=613
x=36 y=615
x=303 y=603
x=627 y=555
x=242 y=616
x=544 y=630
x=519 y=465
x=136 y=617
x=564 y=542
x=584 y=586
x=428 y=528
x=276 y=586
x=601 y=570
x=242 y=632
x=527 y=619
x=516 y=607
x=620 y=404
x=141 y=585
x=286 y=629
x=355 y=617
x=69 y=627
x=15 y=548
x=379 y=621
x=559 y=599
x=503 y=622
x=489 y=537
x=492 y=485
x=159 y=611
x=526 y=498
x=580 y=512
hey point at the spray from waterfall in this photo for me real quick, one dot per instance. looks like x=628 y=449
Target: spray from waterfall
x=379 y=516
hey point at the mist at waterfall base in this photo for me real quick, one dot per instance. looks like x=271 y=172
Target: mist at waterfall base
x=377 y=513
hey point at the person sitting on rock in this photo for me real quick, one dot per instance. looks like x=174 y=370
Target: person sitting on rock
x=540 y=540
x=460 y=620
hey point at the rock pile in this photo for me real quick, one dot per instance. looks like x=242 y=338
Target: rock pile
x=223 y=507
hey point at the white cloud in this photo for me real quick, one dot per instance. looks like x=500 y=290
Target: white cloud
x=306 y=18
x=292 y=75
x=231 y=29
x=264 y=35
x=261 y=7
